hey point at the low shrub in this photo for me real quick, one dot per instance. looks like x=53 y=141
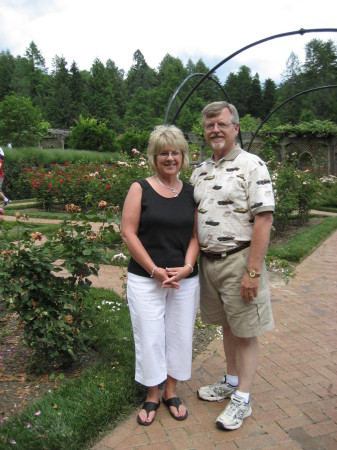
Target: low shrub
x=52 y=308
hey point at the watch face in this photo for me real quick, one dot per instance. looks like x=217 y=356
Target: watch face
x=252 y=273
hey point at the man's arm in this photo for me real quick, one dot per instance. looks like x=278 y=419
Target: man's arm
x=258 y=249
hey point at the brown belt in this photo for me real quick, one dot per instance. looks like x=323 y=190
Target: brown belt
x=213 y=255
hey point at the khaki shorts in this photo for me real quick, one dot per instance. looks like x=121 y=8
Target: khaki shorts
x=220 y=299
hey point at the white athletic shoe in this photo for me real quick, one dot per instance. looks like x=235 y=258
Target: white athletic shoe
x=232 y=417
x=216 y=392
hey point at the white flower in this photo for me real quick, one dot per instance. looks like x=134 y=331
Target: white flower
x=123 y=163
x=119 y=257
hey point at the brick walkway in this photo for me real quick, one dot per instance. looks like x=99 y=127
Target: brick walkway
x=294 y=398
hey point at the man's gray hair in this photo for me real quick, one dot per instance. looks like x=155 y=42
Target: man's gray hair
x=215 y=108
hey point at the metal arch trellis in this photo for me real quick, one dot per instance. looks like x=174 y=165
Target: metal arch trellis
x=197 y=74
x=182 y=84
x=283 y=103
x=301 y=31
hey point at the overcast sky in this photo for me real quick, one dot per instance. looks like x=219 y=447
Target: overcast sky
x=82 y=30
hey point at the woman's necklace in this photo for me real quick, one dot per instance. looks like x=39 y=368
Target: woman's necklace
x=174 y=190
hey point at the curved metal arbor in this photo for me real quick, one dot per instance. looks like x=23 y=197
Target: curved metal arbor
x=182 y=84
x=283 y=103
x=301 y=31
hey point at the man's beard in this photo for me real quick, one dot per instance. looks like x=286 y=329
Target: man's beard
x=218 y=145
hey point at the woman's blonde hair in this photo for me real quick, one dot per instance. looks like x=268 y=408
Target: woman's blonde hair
x=164 y=136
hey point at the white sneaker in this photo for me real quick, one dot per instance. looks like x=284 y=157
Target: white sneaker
x=232 y=417
x=216 y=392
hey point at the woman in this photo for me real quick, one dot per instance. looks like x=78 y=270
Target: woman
x=159 y=229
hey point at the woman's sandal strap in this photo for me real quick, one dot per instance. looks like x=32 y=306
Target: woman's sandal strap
x=148 y=406
x=175 y=402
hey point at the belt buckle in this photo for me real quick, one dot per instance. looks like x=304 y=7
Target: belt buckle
x=218 y=255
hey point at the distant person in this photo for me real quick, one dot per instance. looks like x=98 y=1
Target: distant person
x=159 y=229
x=235 y=201
x=9 y=145
x=2 y=195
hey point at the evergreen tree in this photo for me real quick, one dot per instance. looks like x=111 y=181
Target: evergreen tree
x=140 y=114
x=208 y=91
x=255 y=106
x=320 y=69
x=116 y=77
x=269 y=93
x=78 y=88
x=171 y=74
x=292 y=84
x=139 y=75
x=60 y=105
x=239 y=88
x=7 y=68
x=36 y=74
x=102 y=103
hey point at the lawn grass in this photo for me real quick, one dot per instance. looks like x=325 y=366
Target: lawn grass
x=14 y=229
x=73 y=416
x=305 y=242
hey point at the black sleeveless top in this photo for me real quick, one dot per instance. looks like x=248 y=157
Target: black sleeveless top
x=165 y=228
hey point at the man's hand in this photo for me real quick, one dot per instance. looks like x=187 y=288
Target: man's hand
x=249 y=287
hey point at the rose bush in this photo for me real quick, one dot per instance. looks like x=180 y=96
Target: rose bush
x=83 y=184
x=52 y=309
x=295 y=192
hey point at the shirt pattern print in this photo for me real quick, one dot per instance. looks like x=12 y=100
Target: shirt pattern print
x=229 y=194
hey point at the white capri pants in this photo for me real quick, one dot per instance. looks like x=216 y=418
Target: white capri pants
x=163 y=323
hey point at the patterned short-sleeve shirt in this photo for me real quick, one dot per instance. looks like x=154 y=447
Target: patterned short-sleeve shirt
x=229 y=194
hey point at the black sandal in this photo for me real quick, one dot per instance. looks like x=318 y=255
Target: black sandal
x=148 y=406
x=176 y=402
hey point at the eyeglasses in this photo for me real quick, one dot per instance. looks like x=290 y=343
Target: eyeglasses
x=221 y=125
x=174 y=154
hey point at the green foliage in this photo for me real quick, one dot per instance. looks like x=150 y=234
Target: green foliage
x=324 y=128
x=249 y=123
x=327 y=192
x=303 y=243
x=50 y=307
x=295 y=192
x=133 y=140
x=21 y=122
x=139 y=99
x=89 y=134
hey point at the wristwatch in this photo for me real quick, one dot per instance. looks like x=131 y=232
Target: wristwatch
x=252 y=273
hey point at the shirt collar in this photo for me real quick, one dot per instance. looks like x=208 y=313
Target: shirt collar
x=230 y=156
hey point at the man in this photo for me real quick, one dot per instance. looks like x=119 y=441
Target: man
x=235 y=201
x=2 y=196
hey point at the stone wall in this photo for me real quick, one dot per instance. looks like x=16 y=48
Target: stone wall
x=55 y=139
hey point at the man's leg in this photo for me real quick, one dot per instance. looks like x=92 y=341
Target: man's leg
x=229 y=345
x=243 y=355
x=247 y=357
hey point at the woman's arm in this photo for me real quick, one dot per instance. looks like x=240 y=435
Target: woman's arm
x=130 y=224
